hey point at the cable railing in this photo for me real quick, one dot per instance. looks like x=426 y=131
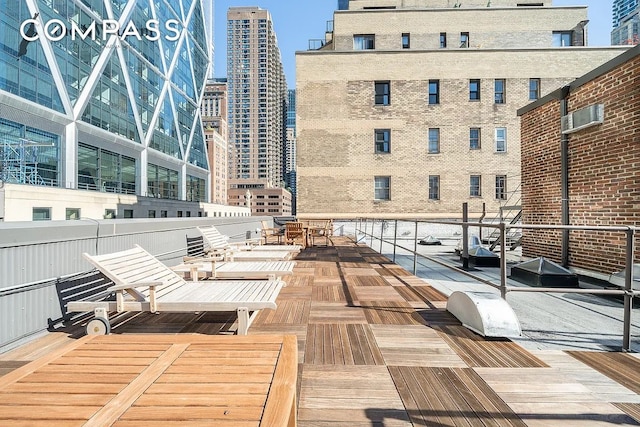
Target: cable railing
x=365 y=228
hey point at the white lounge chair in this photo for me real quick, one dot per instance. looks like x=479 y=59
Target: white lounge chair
x=219 y=245
x=248 y=245
x=211 y=268
x=143 y=283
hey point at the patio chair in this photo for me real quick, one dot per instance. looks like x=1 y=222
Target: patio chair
x=143 y=283
x=249 y=245
x=266 y=232
x=294 y=231
x=320 y=230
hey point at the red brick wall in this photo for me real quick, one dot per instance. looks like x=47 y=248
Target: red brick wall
x=604 y=172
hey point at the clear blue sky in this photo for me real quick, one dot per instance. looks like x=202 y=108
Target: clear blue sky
x=298 y=21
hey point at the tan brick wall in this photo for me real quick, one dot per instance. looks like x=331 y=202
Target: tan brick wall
x=336 y=118
x=604 y=171
x=414 y=4
x=518 y=27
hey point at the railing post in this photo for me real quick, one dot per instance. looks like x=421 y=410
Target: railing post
x=503 y=260
x=373 y=224
x=465 y=236
x=381 y=235
x=628 y=296
x=415 y=251
x=395 y=239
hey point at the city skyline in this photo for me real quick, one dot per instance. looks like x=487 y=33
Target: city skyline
x=297 y=23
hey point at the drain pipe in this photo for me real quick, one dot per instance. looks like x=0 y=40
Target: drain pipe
x=564 y=159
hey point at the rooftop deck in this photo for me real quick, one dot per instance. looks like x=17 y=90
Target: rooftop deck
x=377 y=348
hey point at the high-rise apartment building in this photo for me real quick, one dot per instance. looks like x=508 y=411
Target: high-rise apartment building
x=626 y=22
x=290 y=150
x=410 y=109
x=110 y=109
x=213 y=109
x=257 y=93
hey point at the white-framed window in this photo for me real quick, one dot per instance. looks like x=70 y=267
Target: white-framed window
x=501 y=140
x=500 y=86
x=364 y=41
x=534 y=89
x=475 y=182
x=382 y=187
x=474 y=138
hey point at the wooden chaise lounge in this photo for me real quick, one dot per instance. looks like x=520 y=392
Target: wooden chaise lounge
x=143 y=283
x=218 y=245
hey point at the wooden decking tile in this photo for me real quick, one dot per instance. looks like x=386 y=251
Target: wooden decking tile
x=391 y=313
x=7 y=366
x=414 y=345
x=299 y=280
x=289 y=312
x=421 y=293
x=578 y=414
x=631 y=409
x=371 y=293
x=451 y=397
x=332 y=294
x=343 y=344
x=295 y=292
x=620 y=367
x=477 y=352
x=349 y=395
x=326 y=312
x=365 y=281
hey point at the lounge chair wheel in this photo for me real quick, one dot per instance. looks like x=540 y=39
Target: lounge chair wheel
x=98 y=326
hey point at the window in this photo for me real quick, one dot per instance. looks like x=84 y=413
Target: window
x=163 y=214
x=364 y=41
x=382 y=140
x=128 y=213
x=179 y=214
x=474 y=90
x=474 y=186
x=464 y=39
x=41 y=214
x=534 y=89
x=501 y=187
x=434 y=140
x=501 y=140
x=382 y=185
x=500 y=85
x=109 y=214
x=72 y=213
x=443 y=40
x=434 y=92
x=151 y=214
x=434 y=187
x=562 y=38
x=474 y=138
x=406 y=40
x=383 y=93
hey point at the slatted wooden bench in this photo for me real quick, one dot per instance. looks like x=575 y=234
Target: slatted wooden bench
x=143 y=283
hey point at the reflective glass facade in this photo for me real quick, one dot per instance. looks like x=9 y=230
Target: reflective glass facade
x=121 y=100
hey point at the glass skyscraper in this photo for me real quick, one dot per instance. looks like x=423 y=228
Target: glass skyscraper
x=626 y=22
x=103 y=95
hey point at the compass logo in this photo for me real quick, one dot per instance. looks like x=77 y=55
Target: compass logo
x=56 y=29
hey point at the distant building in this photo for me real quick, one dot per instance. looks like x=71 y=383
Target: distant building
x=264 y=201
x=208 y=11
x=411 y=109
x=626 y=22
x=213 y=109
x=102 y=118
x=257 y=93
x=343 y=4
x=600 y=130
x=290 y=147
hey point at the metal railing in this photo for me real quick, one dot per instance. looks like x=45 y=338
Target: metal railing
x=365 y=226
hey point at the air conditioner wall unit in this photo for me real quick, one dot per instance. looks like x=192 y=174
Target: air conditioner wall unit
x=583 y=118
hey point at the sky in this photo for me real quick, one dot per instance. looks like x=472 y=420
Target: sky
x=298 y=21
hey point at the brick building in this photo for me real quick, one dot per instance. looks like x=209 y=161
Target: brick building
x=410 y=106
x=213 y=109
x=602 y=165
x=264 y=200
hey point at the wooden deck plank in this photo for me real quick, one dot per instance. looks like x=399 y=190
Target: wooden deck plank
x=620 y=367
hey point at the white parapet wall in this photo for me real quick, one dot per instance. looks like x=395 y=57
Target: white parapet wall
x=17 y=203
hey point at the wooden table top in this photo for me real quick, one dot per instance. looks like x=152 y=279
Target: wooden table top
x=139 y=380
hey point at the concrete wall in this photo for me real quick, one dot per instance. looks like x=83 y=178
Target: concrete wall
x=604 y=170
